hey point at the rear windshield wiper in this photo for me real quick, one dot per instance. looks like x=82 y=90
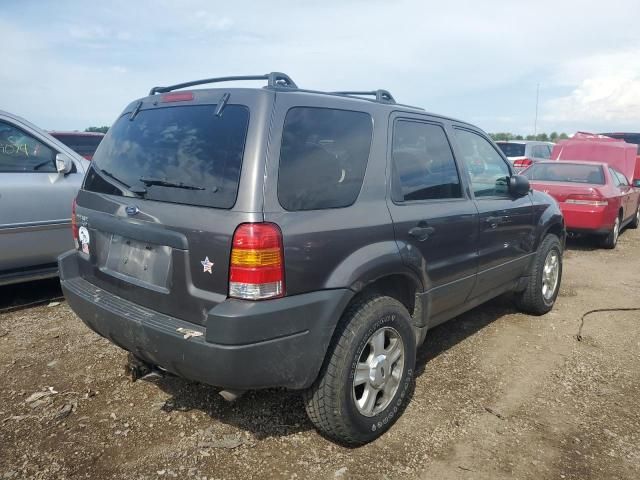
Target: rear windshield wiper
x=163 y=182
x=113 y=180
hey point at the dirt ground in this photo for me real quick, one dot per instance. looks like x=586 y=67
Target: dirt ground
x=499 y=395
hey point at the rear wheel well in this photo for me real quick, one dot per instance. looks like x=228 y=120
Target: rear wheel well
x=400 y=287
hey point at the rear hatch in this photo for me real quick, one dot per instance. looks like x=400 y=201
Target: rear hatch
x=160 y=203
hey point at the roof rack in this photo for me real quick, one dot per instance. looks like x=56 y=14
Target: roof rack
x=274 y=79
x=381 y=95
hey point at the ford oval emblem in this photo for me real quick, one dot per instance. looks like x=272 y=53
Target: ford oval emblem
x=132 y=210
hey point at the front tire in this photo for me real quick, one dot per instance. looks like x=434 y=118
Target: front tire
x=544 y=279
x=364 y=385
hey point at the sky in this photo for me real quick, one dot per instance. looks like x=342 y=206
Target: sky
x=67 y=65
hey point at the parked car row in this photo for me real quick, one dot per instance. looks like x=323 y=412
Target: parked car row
x=593 y=178
x=280 y=237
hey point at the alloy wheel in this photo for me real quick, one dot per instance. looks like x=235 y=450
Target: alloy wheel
x=378 y=371
x=550 y=274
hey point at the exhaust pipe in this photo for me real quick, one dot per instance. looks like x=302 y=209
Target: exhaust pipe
x=231 y=395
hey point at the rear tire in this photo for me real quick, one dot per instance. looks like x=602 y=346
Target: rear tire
x=365 y=383
x=611 y=240
x=544 y=279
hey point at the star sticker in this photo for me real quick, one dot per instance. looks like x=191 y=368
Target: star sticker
x=206 y=265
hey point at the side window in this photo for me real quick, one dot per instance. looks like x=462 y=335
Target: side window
x=423 y=164
x=536 y=151
x=20 y=152
x=621 y=180
x=488 y=171
x=541 y=151
x=323 y=157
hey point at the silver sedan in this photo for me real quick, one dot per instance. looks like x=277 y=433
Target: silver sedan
x=39 y=178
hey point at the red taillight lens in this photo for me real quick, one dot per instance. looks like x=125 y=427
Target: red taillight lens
x=586 y=199
x=522 y=163
x=74 y=222
x=257 y=262
x=176 y=97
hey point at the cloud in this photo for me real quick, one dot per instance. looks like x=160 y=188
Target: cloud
x=73 y=64
x=212 y=21
x=607 y=91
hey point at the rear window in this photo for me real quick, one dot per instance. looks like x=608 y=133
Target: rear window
x=182 y=154
x=571 y=173
x=512 y=149
x=323 y=157
x=83 y=144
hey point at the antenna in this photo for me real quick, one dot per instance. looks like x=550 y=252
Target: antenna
x=535 y=122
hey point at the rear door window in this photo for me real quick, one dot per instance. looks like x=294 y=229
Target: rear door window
x=323 y=157
x=20 y=152
x=423 y=164
x=182 y=154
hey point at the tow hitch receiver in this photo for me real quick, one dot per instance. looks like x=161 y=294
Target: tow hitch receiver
x=136 y=369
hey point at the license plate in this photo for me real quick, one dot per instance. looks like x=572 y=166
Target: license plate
x=139 y=260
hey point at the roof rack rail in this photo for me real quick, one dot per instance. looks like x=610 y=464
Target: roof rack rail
x=381 y=95
x=274 y=79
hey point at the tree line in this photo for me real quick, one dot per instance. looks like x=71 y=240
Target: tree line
x=542 y=137
x=97 y=129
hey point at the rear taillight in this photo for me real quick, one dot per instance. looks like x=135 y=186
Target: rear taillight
x=585 y=199
x=256 y=270
x=522 y=163
x=74 y=223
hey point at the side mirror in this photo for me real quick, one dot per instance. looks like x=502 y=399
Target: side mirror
x=519 y=185
x=63 y=163
x=636 y=183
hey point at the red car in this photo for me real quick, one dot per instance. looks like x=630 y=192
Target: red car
x=594 y=197
x=84 y=143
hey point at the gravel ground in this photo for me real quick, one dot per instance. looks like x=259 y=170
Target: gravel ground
x=498 y=395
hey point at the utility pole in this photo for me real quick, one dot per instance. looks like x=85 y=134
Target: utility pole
x=535 y=122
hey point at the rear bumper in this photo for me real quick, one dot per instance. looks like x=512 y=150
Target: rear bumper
x=587 y=219
x=244 y=345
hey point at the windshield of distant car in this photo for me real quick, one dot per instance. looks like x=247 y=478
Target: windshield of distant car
x=512 y=149
x=565 y=172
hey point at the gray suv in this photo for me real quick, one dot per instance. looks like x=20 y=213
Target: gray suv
x=278 y=237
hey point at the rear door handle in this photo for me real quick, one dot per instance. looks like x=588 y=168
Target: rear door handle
x=421 y=232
